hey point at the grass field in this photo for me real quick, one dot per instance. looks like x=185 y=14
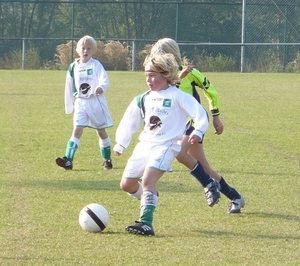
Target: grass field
x=259 y=154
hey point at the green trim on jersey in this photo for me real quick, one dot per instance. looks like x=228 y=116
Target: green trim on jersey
x=140 y=99
x=71 y=71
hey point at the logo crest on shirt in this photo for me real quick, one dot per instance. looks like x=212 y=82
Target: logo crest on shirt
x=167 y=103
x=89 y=72
x=85 y=87
x=154 y=122
x=206 y=83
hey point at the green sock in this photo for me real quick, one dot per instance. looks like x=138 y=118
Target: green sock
x=146 y=214
x=105 y=152
x=70 y=150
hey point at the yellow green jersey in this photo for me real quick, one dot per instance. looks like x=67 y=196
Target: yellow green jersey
x=195 y=79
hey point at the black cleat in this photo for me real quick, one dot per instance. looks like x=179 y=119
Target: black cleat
x=140 y=228
x=108 y=164
x=64 y=163
x=212 y=193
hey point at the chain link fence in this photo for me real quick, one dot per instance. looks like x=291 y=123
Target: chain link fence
x=244 y=35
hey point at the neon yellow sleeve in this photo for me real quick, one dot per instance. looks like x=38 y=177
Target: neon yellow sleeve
x=208 y=89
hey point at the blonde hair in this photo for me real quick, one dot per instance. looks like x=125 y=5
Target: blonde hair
x=86 y=40
x=165 y=64
x=167 y=46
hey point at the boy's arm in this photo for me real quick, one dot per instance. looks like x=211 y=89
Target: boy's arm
x=69 y=97
x=103 y=80
x=209 y=91
x=130 y=124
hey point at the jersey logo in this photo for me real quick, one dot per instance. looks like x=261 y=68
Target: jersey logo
x=85 y=87
x=167 y=103
x=154 y=122
x=89 y=72
x=206 y=83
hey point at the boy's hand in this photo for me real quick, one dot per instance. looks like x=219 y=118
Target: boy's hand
x=99 y=91
x=118 y=149
x=218 y=125
x=185 y=71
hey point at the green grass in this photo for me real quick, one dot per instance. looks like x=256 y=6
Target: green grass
x=258 y=154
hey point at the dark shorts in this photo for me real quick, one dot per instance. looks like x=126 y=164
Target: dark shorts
x=189 y=129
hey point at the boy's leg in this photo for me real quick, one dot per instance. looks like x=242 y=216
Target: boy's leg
x=105 y=148
x=67 y=161
x=72 y=147
x=137 y=193
x=144 y=225
x=237 y=201
x=105 y=151
x=211 y=187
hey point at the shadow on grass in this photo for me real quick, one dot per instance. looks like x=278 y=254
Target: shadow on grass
x=274 y=215
x=231 y=234
x=76 y=184
x=108 y=185
x=24 y=259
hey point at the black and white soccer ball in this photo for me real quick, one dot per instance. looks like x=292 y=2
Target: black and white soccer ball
x=93 y=218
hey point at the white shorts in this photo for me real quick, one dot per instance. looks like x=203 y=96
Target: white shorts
x=92 y=112
x=154 y=156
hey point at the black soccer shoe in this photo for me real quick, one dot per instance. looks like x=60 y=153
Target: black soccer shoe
x=107 y=164
x=140 y=228
x=64 y=163
x=212 y=193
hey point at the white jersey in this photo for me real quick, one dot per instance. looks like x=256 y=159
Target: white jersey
x=82 y=81
x=165 y=116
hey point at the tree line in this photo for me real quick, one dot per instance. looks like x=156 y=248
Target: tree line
x=47 y=24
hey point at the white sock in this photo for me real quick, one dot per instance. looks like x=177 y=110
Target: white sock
x=103 y=143
x=75 y=140
x=149 y=198
x=138 y=193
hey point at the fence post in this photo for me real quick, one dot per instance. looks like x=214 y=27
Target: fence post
x=243 y=36
x=176 y=29
x=23 y=53
x=284 y=39
x=133 y=55
x=72 y=34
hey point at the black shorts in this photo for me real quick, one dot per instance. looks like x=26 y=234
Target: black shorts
x=189 y=128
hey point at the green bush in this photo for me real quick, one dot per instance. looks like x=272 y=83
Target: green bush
x=33 y=60
x=13 y=60
x=209 y=63
x=294 y=66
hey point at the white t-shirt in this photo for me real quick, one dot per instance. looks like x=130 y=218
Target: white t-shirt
x=166 y=113
x=87 y=78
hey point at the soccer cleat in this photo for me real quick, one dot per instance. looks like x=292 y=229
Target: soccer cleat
x=236 y=205
x=140 y=228
x=64 y=162
x=212 y=193
x=107 y=164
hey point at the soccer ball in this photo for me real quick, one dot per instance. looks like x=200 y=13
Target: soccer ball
x=93 y=218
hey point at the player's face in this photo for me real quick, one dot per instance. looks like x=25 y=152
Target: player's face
x=155 y=81
x=85 y=53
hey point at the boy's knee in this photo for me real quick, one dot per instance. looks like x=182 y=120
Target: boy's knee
x=128 y=185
